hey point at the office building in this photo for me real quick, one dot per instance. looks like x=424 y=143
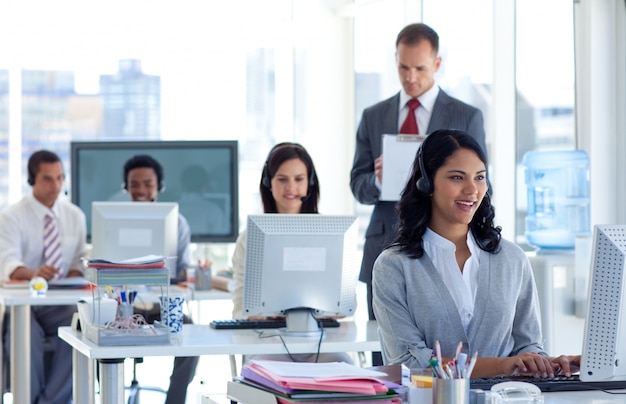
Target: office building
x=132 y=103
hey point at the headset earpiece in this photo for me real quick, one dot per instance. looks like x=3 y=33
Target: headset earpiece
x=31 y=177
x=265 y=177
x=423 y=184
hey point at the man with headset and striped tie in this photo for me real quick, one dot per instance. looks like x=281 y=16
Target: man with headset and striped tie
x=44 y=235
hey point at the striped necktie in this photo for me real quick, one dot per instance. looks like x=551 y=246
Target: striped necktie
x=51 y=242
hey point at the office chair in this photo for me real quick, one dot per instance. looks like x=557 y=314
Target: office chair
x=134 y=388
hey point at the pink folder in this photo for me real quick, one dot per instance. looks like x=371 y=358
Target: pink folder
x=347 y=384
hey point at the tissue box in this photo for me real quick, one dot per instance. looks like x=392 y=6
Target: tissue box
x=96 y=310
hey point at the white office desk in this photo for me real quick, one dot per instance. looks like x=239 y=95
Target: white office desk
x=565 y=397
x=584 y=397
x=197 y=340
x=20 y=300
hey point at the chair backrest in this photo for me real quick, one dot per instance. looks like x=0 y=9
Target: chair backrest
x=382 y=346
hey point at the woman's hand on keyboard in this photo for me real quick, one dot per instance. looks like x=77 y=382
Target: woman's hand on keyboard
x=565 y=365
x=528 y=364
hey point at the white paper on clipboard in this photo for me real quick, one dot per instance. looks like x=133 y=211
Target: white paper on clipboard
x=398 y=155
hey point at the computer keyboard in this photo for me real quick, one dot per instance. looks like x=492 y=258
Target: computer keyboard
x=559 y=383
x=254 y=324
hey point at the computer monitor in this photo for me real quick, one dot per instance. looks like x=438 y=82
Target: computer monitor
x=125 y=230
x=604 y=343
x=300 y=266
x=201 y=176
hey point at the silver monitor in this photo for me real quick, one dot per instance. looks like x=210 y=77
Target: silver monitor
x=125 y=230
x=300 y=266
x=604 y=343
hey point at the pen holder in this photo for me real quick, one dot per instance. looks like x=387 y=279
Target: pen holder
x=451 y=391
x=172 y=313
x=125 y=311
x=203 y=279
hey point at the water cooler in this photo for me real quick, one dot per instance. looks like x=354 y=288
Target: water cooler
x=558 y=224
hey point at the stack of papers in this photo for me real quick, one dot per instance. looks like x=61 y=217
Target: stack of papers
x=76 y=282
x=148 y=261
x=305 y=382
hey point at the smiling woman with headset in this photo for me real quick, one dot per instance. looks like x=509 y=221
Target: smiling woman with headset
x=288 y=185
x=448 y=277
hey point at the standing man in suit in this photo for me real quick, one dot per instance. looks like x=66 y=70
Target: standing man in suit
x=44 y=235
x=417 y=59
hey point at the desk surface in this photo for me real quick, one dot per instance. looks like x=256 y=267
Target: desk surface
x=58 y=297
x=258 y=396
x=20 y=300
x=585 y=397
x=197 y=339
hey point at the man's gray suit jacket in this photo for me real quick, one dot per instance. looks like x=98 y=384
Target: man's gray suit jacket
x=382 y=118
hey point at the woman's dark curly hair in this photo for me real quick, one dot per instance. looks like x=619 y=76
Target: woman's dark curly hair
x=415 y=206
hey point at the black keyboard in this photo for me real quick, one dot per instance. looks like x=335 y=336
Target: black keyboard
x=558 y=383
x=254 y=324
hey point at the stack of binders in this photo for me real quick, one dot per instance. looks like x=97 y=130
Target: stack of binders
x=289 y=382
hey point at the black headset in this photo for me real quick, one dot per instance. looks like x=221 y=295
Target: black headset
x=423 y=184
x=267 y=181
x=160 y=188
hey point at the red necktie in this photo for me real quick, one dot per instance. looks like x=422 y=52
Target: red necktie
x=409 y=126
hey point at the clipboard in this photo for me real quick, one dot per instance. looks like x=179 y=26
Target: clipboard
x=398 y=156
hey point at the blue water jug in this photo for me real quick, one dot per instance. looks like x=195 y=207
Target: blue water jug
x=558 y=197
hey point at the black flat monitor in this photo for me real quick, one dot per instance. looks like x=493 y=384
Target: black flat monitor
x=300 y=266
x=201 y=176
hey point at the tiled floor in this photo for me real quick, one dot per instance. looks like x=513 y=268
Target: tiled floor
x=213 y=372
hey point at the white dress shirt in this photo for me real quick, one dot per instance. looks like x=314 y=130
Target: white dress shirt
x=21 y=235
x=461 y=285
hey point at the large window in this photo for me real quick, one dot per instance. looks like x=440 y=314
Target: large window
x=261 y=72
x=256 y=72
x=545 y=86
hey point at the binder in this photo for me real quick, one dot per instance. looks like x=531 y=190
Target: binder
x=398 y=156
